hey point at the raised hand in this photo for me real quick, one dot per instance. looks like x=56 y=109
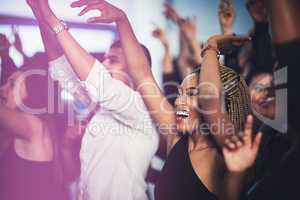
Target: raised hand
x=226 y=16
x=172 y=14
x=188 y=28
x=109 y=13
x=17 y=43
x=240 y=151
x=160 y=35
x=226 y=43
x=258 y=10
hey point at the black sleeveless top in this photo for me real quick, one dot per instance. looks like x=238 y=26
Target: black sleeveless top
x=178 y=180
x=22 y=179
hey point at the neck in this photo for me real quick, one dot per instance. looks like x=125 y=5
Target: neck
x=199 y=140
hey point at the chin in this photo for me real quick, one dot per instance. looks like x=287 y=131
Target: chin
x=183 y=130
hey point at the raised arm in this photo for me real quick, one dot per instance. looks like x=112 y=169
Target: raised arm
x=226 y=17
x=138 y=66
x=168 y=67
x=210 y=96
x=50 y=42
x=160 y=109
x=188 y=32
x=81 y=61
x=170 y=77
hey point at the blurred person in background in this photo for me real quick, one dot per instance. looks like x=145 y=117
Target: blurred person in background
x=282 y=181
x=31 y=165
x=7 y=64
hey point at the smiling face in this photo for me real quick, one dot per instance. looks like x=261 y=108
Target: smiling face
x=262 y=100
x=186 y=105
x=14 y=89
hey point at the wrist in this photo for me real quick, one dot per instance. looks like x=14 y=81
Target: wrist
x=210 y=47
x=122 y=17
x=227 y=30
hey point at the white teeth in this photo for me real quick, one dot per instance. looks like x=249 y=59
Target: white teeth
x=182 y=113
x=269 y=99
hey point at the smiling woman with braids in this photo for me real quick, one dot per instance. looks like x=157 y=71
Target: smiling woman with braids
x=194 y=168
x=198 y=125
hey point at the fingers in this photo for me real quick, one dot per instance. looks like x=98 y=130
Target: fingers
x=78 y=3
x=98 y=20
x=257 y=141
x=230 y=145
x=81 y=3
x=91 y=7
x=233 y=143
x=247 y=137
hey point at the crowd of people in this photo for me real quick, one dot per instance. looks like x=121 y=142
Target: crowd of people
x=219 y=120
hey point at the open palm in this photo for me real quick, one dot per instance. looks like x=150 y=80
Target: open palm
x=109 y=13
x=240 y=153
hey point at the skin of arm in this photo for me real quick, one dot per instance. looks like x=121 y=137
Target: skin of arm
x=161 y=111
x=50 y=42
x=80 y=60
x=285 y=16
x=239 y=155
x=190 y=51
x=189 y=34
x=168 y=67
x=226 y=17
x=210 y=85
x=22 y=125
x=183 y=57
x=184 y=53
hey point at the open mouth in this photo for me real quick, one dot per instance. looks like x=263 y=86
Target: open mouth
x=182 y=113
x=268 y=101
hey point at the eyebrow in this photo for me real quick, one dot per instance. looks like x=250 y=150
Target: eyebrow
x=112 y=57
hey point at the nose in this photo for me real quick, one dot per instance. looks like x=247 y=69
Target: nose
x=180 y=100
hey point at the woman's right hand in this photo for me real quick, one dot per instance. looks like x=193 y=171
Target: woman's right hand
x=109 y=13
x=240 y=152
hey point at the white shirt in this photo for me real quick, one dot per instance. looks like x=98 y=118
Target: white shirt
x=119 y=141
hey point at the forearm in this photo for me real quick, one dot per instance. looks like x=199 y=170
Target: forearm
x=80 y=60
x=210 y=98
x=50 y=42
x=168 y=67
x=196 y=51
x=233 y=186
x=183 y=58
x=227 y=30
x=285 y=16
x=136 y=59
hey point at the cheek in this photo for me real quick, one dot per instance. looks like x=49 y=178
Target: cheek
x=254 y=96
x=19 y=92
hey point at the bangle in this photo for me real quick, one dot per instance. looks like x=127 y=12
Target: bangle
x=210 y=47
x=60 y=27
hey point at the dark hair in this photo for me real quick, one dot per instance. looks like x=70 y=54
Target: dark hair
x=118 y=44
